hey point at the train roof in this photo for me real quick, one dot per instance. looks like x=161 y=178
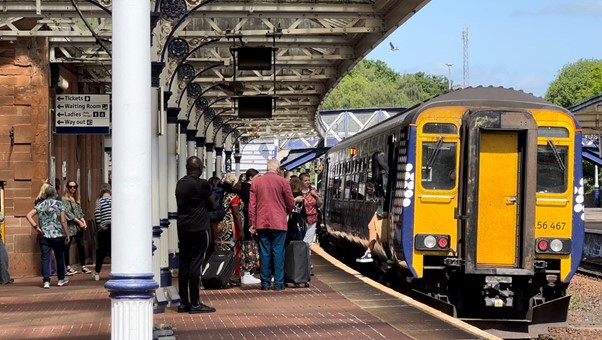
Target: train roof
x=470 y=96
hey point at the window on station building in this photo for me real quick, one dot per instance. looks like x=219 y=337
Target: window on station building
x=551 y=168
x=438 y=165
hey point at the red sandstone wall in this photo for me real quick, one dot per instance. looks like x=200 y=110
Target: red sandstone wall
x=25 y=100
x=23 y=165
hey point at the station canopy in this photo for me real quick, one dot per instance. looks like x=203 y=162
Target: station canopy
x=311 y=45
x=589 y=115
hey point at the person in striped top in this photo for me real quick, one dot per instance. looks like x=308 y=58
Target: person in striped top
x=102 y=216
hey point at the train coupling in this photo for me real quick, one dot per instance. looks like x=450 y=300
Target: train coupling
x=453 y=262
x=497 y=291
x=540 y=264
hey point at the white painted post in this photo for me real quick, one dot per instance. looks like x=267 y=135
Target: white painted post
x=131 y=283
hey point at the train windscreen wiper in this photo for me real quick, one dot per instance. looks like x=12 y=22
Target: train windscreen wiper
x=433 y=156
x=557 y=157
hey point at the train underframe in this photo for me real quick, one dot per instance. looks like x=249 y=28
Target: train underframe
x=537 y=298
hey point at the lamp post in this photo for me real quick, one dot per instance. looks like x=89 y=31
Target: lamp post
x=449 y=82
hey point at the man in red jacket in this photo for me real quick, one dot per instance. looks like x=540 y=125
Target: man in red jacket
x=270 y=201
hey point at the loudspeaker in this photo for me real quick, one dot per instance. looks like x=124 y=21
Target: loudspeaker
x=255 y=107
x=254 y=58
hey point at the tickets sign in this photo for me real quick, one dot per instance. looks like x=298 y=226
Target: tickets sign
x=83 y=113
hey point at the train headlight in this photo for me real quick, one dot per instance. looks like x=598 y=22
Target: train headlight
x=553 y=246
x=431 y=242
x=556 y=245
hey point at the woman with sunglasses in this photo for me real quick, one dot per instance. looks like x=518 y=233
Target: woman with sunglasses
x=77 y=226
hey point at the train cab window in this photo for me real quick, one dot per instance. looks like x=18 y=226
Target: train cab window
x=438 y=165
x=551 y=168
x=440 y=128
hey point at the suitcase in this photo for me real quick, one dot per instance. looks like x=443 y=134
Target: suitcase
x=219 y=268
x=297 y=264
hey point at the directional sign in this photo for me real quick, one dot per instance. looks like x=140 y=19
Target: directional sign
x=83 y=113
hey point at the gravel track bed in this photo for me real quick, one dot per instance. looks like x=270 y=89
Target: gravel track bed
x=585 y=311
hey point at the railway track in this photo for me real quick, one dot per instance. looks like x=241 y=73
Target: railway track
x=591 y=268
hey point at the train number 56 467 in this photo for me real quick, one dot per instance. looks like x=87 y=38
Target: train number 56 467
x=551 y=225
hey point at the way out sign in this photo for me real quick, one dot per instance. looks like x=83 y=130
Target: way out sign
x=83 y=113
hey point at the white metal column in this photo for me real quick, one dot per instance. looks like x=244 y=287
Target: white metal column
x=131 y=283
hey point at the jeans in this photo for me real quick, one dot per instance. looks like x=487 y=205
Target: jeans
x=79 y=241
x=104 y=245
x=46 y=246
x=4 y=275
x=193 y=247
x=271 y=256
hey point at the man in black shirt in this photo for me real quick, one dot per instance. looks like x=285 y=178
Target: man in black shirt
x=194 y=197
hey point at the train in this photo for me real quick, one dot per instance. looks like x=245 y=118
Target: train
x=483 y=200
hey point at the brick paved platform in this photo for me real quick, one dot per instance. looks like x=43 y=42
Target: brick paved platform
x=82 y=311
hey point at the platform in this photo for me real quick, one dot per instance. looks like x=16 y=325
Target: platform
x=339 y=304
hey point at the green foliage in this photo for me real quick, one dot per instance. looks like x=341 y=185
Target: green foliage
x=374 y=84
x=576 y=83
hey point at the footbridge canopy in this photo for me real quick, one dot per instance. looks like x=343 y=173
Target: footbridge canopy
x=313 y=44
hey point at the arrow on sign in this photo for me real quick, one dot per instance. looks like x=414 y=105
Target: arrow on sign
x=60 y=122
x=60 y=114
x=60 y=106
x=59 y=98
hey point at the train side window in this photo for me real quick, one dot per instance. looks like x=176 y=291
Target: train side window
x=361 y=190
x=438 y=165
x=348 y=187
x=440 y=128
x=551 y=168
x=370 y=187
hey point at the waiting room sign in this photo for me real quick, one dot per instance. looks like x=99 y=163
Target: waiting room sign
x=82 y=113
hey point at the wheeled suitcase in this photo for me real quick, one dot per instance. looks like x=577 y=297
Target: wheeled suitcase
x=296 y=264
x=218 y=269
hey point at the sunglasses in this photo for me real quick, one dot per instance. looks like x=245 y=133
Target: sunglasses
x=72 y=186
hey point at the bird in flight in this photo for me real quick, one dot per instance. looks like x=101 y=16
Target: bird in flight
x=393 y=47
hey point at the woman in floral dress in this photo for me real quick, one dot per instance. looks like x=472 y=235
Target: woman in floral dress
x=230 y=229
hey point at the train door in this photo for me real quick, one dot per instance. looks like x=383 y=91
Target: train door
x=498 y=198
x=498 y=191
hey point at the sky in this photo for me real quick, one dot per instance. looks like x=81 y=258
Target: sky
x=522 y=44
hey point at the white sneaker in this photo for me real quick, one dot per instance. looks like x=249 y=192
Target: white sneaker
x=86 y=270
x=248 y=279
x=63 y=282
x=46 y=285
x=96 y=276
x=367 y=258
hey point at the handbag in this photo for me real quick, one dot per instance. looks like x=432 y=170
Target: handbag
x=250 y=255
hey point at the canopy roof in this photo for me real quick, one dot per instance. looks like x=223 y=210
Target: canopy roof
x=316 y=43
x=589 y=114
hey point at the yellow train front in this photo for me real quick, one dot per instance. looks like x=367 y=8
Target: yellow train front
x=485 y=193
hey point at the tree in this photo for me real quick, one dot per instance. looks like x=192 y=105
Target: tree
x=576 y=82
x=371 y=83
